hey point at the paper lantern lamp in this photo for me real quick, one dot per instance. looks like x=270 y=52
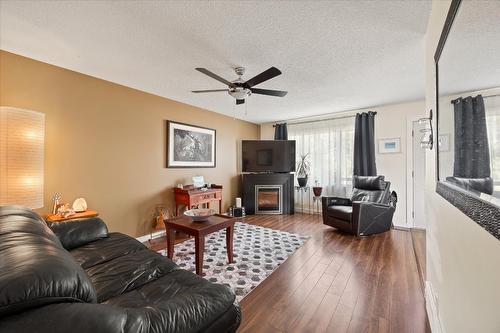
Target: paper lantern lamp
x=22 y=135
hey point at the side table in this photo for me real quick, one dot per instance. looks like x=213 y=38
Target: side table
x=80 y=215
x=302 y=191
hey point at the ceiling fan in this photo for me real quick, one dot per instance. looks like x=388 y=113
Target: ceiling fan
x=240 y=89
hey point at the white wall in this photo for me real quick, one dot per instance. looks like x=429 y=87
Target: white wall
x=463 y=260
x=390 y=122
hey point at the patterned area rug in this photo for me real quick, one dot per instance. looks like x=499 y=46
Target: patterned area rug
x=257 y=252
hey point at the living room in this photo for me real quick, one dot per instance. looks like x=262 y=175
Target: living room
x=133 y=133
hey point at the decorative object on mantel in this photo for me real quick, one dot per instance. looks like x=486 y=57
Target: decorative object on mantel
x=389 y=146
x=303 y=169
x=190 y=146
x=246 y=272
x=80 y=205
x=22 y=135
x=427 y=139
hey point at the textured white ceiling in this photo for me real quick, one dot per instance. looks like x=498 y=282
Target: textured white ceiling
x=471 y=55
x=334 y=55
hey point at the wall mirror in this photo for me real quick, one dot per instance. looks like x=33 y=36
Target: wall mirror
x=468 y=105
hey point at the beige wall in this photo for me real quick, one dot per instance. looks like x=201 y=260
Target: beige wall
x=463 y=260
x=391 y=121
x=106 y=142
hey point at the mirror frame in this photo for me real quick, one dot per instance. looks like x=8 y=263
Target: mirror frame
x=484 y=212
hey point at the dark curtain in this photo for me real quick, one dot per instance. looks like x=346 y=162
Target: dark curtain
x=280 y=132
x=472 y=152
x=364 y=145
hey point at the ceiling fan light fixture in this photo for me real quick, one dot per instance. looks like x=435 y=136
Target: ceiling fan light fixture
x=239 y=92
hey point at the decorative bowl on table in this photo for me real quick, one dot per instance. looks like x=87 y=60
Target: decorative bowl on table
x=199 y=214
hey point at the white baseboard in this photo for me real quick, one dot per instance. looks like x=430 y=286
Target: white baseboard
x=432 y=309
x=149 y=237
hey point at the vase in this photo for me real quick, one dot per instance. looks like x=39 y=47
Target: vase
x=317 y=190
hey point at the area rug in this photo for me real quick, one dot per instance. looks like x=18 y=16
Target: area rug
x=257 y=252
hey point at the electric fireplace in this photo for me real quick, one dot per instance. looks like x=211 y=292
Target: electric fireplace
x=268 y=199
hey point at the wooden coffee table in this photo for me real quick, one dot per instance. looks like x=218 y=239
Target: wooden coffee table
x=199 y=230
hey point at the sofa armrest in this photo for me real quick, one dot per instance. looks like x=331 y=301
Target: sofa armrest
x=75 y=233
x=371 y=218
x=72 y=317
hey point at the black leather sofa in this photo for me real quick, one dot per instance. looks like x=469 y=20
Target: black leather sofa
x=369 y=210
x=76 y=277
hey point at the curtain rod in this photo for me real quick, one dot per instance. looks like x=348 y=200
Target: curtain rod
x=318 y=120
x=487 y=96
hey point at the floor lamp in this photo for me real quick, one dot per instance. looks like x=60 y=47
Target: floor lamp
x=22 y=134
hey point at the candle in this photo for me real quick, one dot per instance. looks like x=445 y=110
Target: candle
x=238 y=202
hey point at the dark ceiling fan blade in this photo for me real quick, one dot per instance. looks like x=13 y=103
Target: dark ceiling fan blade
x=277 y=93
x=240 y=101
x=215 y=76
x=205 y=91
x=264 y=76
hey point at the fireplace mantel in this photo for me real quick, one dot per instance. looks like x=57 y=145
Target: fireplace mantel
x=253 y=180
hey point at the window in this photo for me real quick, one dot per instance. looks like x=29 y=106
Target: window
x=492 y=109
x=330 y=144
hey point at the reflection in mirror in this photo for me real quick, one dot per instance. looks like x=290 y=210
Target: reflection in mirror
x=469 y=100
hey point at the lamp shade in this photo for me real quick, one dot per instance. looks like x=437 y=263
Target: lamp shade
x=22 y=134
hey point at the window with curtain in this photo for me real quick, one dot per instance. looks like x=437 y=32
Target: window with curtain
x=492 y=110
x=330 y=144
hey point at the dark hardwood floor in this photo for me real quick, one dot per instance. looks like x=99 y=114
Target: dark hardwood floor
x=336 y=283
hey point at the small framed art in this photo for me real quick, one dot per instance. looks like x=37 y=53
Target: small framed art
x=389 y=146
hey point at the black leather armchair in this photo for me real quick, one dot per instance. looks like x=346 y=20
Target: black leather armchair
x=368 y=211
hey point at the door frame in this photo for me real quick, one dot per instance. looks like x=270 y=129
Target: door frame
x=410 y=221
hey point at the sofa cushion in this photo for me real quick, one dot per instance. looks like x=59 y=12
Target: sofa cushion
x=340 y=212
x=114 y=246
x=34 y=268
x=75 y=233
x=181 y=301
x=120 y=275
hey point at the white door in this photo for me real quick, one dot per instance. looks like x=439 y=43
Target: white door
x=418 y=178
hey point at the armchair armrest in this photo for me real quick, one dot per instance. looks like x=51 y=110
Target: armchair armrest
x=75 y=233
x=371 y=218
x=327 y=201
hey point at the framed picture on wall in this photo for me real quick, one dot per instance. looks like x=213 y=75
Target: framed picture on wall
x=190 y=146
x=389 y=146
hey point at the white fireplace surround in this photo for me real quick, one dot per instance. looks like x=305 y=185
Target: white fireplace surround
x=269 y=187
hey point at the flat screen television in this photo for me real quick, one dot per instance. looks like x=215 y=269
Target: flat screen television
x=268 y=155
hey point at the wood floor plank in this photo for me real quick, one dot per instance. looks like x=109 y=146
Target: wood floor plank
x=336 y=283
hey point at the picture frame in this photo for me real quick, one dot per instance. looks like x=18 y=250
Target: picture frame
x=190 y=146
x=389 y=146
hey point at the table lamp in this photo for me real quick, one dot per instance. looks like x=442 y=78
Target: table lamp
x=22 y=134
